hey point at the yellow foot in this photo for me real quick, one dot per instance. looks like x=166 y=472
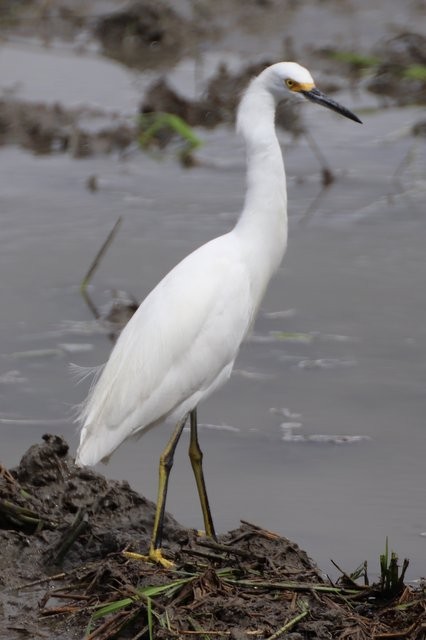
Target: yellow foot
x=155 y=555
x=205 y=534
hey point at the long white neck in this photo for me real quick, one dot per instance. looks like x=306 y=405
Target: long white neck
x=262 y=225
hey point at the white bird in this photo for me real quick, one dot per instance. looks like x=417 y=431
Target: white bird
x=182 y=342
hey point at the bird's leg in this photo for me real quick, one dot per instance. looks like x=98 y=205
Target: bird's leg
x=196 y=457
x=166 y=463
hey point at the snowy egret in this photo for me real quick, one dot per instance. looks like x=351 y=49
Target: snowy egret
x=182 y=342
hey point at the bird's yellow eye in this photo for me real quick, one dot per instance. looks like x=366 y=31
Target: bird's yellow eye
x=290 y=83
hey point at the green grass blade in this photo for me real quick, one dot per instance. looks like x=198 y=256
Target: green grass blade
x=149 y=613
x=145 y=593
x=416 y=72
x=152 y=123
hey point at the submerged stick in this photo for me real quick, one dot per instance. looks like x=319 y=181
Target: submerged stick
x=94 y=266
x=327 y=175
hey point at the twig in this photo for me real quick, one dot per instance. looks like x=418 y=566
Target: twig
x=95 y=264
x=141 y=633
x=347 y=577
x=69 y=596
x=327 y=174
x=261 y=530
x=111 y=626
x=35 y=583
x=60 y=610
x=242 y=536
x=202 y=554
x=56 y=576
x=290 y=624
x=290 y=586
x=78 y=526
x=93 y=267
x=210 y=544
x=404 y=633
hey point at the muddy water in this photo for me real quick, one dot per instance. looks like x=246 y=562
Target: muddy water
x=339 y=348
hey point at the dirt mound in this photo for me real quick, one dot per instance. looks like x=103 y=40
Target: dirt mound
x=64 y=575
x=47 y=501
x=51 y=491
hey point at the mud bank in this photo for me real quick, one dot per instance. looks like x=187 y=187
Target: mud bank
x=155 y=36
x=83 y=131
x=63 y=572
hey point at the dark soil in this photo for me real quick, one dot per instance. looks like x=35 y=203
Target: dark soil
x=86 y=131
x=43 y=129
x=63 y=531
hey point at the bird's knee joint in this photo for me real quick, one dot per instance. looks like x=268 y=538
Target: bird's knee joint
x=195 y=454
x=166 y=462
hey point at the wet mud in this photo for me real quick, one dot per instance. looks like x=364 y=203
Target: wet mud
x=65 y=533
x=40 y=501
x=85 y=131
x=44 y=129
x=155 y=36
x=219 y=102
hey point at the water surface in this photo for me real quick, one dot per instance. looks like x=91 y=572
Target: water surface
x=339 y=346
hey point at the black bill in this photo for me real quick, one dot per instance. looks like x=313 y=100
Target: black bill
x=314 y=95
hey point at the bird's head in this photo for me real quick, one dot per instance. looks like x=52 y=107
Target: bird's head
x=291 y=81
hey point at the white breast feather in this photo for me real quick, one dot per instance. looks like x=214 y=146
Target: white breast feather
x=187 y=330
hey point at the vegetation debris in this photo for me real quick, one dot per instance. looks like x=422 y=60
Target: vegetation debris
x=64 y=574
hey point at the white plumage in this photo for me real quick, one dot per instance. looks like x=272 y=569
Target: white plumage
x=182 y=342
x=178 y=345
